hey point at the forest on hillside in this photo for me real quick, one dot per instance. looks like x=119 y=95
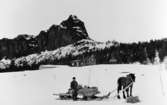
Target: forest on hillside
x=125 y=53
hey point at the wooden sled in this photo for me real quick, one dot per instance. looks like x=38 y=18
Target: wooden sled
x=86 y=93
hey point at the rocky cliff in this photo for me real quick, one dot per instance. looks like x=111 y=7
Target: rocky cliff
x=68 y=32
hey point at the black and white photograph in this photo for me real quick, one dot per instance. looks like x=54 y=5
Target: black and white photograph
x=83 y=52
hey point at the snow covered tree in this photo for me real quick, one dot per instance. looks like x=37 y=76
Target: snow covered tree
x=156 y=59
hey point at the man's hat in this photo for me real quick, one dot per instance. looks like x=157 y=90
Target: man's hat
x=73 y=77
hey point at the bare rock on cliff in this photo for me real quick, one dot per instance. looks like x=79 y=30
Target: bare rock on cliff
x=69 y=31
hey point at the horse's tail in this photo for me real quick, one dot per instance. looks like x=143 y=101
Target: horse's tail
x=119 y=84
x=118 y=81
x=118 y=87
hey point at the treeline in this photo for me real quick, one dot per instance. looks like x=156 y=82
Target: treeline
x=125 y=53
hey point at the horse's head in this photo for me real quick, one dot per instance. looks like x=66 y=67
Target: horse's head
x=132 y=76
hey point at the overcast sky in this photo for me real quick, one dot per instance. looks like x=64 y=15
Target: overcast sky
x=121 y=20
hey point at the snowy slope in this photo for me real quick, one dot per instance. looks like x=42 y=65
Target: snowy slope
x=37 y=87
x=75 y=49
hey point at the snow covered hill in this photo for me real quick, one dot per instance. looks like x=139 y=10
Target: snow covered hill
x=38 y=87
x=75 y=49
x=102 y=52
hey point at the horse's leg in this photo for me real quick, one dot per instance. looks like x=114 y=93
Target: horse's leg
x=123 y=93
x=127 y=92
x=131 y=90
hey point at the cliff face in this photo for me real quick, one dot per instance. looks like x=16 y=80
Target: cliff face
x=68 y=32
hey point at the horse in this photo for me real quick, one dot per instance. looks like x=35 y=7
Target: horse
x=125 y=84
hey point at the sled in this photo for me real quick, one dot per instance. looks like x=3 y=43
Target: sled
x=85 y=93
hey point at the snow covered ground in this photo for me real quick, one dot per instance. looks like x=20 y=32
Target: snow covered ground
x=38 y=87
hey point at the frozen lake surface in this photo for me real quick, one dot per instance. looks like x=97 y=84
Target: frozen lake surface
x=38 y=87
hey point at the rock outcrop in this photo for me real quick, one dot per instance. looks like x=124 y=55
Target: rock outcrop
x=69 y=31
